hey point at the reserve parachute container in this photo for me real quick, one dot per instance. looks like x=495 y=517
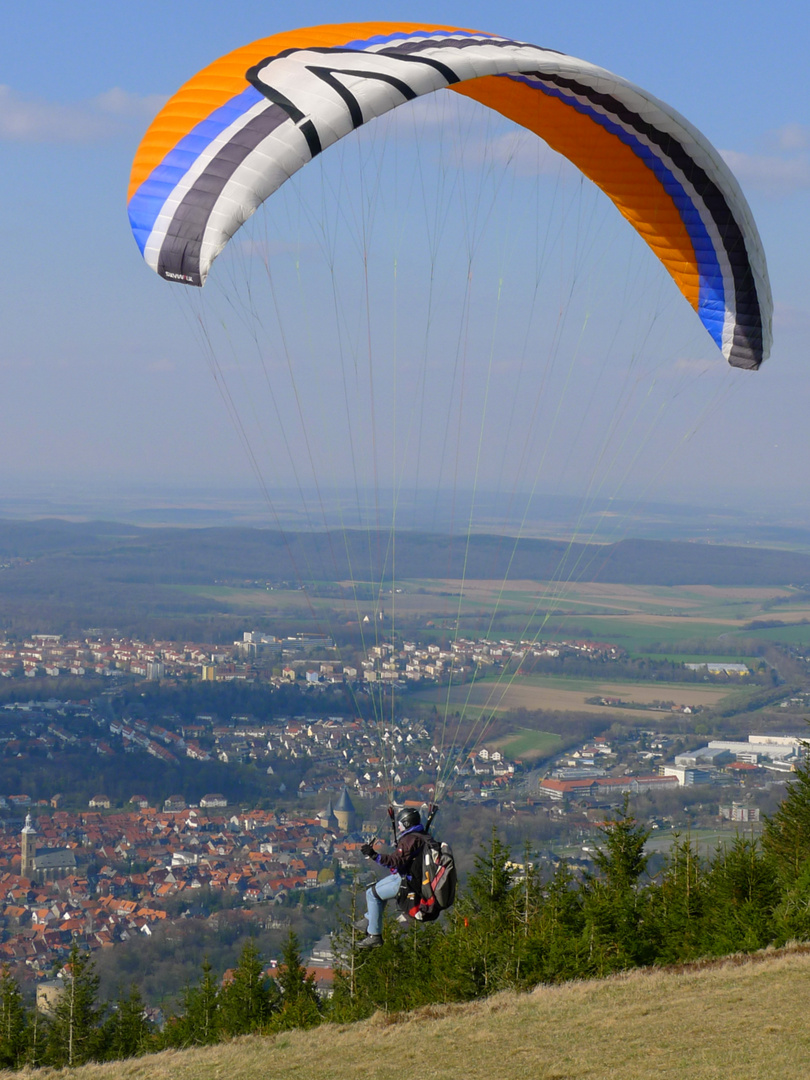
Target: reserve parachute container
x=438 y=879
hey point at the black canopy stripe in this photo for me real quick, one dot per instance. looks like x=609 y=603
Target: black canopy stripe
x=180 y=251
x=748 y=333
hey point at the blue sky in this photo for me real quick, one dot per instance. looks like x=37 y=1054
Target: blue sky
x=104 y=388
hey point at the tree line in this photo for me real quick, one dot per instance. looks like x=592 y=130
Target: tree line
x=77 y=1028
x=510 y=928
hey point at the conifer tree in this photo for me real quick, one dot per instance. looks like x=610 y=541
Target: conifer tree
x=791 y=916
x=486 y=934
x=488 y=886
x=73 y=1036
x=128 y=1033
x=199 y=1022
x=521 y=907
x=13 y=1034
x=613 y=903
x=622 y=860
x=678 y=905
x=300 y=1004
x=406 y=972
x=249 y=999
x=36 y=1043
x=345 y=1005
x=786 y=836
x=742 y=897
x=554 y=951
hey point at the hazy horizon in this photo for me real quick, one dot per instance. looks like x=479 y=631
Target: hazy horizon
x=544 y=516
x=485 y=321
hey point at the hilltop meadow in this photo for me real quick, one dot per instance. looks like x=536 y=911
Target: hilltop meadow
x=745 y=1017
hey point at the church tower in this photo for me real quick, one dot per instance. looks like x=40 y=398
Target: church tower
x=28 y=848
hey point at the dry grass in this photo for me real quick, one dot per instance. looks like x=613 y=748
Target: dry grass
x=629 y=597
x=751 y=593
x=745 y=1019
x=553 y=695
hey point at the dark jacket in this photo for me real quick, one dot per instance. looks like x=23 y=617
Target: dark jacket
x=407 y=852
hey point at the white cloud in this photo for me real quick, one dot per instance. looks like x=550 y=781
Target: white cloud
x=772 y=175
x=119 y=102
x=793 y=137
x=27 y=119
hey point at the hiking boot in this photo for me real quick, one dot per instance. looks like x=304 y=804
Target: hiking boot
x=361 y=924
x=373 y=941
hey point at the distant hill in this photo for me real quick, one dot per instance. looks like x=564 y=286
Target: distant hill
x=126 y=553
x=743 y=1018
x=63 y=576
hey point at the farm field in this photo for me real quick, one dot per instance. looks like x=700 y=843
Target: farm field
x=527 y=744
x=707 y=841
x=701 y=658
x=793 y=634
x=660 y=841
x=561 y=694
x=633 y=617
x=707 y=602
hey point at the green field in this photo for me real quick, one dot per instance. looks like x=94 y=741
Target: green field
x=635 y=634
x=632 y=617
x=701 y=658
x=794 y=634
x=528 y=744
x=707 y=841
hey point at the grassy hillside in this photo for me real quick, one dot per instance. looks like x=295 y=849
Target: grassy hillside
x=744 y=1018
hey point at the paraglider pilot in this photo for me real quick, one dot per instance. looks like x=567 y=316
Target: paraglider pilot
x=401 y=864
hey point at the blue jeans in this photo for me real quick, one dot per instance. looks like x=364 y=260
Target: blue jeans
x=386 y=889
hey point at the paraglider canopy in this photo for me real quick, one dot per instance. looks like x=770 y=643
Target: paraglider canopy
x=242 y=126
x=406 y=333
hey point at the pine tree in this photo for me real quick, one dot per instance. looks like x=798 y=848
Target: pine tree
x=522 y=906
x=300 y=1004
x=344 y=1005
x=489 y=885
x=791 y=917
x=410 y=969
x=199 y=1022
x=554 y=951
x=487 y=932
x=613 y=902
x=250 y=998
x=786 y=837
x=128 y=1033
x=73 y=1035
x=36 y=1043
x=13 y=1034
x=622 y=861
x=742 y=897
x=678 y=905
